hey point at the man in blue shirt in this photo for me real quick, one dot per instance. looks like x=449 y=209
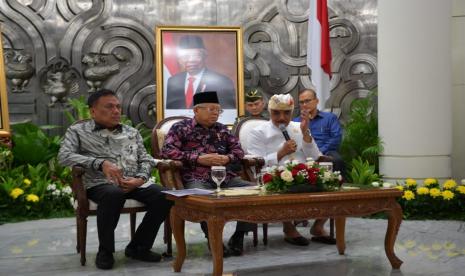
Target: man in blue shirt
x=324 y=126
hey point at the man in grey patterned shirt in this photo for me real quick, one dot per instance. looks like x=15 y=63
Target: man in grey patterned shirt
x=117 y=167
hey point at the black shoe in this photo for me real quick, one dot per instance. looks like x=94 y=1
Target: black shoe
x=226 y=251
x=145 y=255
x=301 y=241
x=104 y=260
x=236 y=243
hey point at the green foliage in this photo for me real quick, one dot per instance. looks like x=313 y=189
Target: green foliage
x=46 y=182
x=6 y=158
x=80 y=110
x=32 y=145
x=360 y=138
x=362 y=172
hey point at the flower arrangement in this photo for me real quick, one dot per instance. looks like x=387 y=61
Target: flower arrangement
x=432 y=200
x=301 y=177
x=35 y=191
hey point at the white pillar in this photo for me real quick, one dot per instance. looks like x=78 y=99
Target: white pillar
x=414 y=86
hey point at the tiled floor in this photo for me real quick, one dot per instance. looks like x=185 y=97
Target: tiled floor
x=47 y=247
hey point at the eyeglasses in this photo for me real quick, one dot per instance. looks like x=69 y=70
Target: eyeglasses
x=211 y=109
x=305 y=101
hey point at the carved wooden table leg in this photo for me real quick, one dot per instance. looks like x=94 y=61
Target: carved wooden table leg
x=215 y=236
x=340 y=234
x=394 y=221
x=177 y=225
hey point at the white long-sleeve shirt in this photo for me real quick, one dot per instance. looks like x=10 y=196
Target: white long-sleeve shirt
x=267 y=139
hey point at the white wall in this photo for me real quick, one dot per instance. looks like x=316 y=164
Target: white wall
x=458 y=88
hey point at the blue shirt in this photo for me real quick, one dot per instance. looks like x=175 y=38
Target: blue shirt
x=326 y=131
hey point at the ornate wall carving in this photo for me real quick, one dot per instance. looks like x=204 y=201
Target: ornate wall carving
x=56 y=49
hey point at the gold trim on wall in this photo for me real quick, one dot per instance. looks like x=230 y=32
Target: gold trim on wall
x=4 y=117
x=224 y=48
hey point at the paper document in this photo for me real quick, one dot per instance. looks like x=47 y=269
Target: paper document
x=186 y=192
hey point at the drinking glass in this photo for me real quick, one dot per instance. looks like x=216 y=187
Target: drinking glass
x=260 y=178
x=328 y=166
x=218 y=175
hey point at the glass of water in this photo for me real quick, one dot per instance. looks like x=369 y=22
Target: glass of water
x=218 y=175
x=328 y=166
x=260 y=182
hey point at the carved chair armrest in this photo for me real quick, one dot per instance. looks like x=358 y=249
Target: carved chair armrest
x=252 y=162
x=170 y=174
x=79 y=191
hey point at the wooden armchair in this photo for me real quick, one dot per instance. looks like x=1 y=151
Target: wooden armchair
x=84 y=207
x=170 y=176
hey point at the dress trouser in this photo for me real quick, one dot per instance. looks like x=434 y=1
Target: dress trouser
x=233 y=182
x=110 y=200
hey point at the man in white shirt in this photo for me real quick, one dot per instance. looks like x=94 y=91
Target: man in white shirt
x=280 y=140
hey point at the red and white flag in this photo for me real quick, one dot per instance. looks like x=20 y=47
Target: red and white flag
x=319 y=49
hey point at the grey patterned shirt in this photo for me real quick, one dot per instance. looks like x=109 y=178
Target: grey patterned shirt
x=87 y=145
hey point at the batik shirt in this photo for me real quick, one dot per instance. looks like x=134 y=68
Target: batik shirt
x=87 y=144
x=187 y=140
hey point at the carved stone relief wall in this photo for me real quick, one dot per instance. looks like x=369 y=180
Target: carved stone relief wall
x=56 y=49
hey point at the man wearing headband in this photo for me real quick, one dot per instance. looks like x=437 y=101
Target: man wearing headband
x=280 y=140
x=196 y=78
x=202 y=142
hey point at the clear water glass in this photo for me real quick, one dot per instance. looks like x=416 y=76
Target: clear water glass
x=218 y=174
x=260 y=178
x=328 y=166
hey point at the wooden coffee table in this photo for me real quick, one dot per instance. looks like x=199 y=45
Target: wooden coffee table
x=216 y=211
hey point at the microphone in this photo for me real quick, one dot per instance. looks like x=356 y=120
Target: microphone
x=282 y=127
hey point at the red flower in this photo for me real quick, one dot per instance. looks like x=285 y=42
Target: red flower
x=267 y=178
x=297 y=168
x=313 y=175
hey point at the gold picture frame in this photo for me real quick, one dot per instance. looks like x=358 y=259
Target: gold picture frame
x=214 y=54
x=4 y=117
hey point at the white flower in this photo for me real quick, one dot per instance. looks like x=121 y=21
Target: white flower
x=375 y=184
x=67 y=190
x=294 y=162
x=327 y=176
x=387 y=185
x=339 y=177
x=281 y=168
x=287 y=176
x=287 y=162
x=463 y=181
x=273 y=168
x=310 y=163
x=56 y=193
x=71 y=201
x=51 y=187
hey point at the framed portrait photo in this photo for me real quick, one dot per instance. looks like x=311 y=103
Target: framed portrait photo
x=4 y=121
x=191 y=60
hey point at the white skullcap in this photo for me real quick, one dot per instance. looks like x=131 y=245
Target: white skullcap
x=281 y=102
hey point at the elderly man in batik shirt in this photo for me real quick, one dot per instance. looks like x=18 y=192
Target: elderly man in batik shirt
x=202 y=142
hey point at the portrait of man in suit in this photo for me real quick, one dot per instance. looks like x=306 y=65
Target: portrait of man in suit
x=195 y=77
